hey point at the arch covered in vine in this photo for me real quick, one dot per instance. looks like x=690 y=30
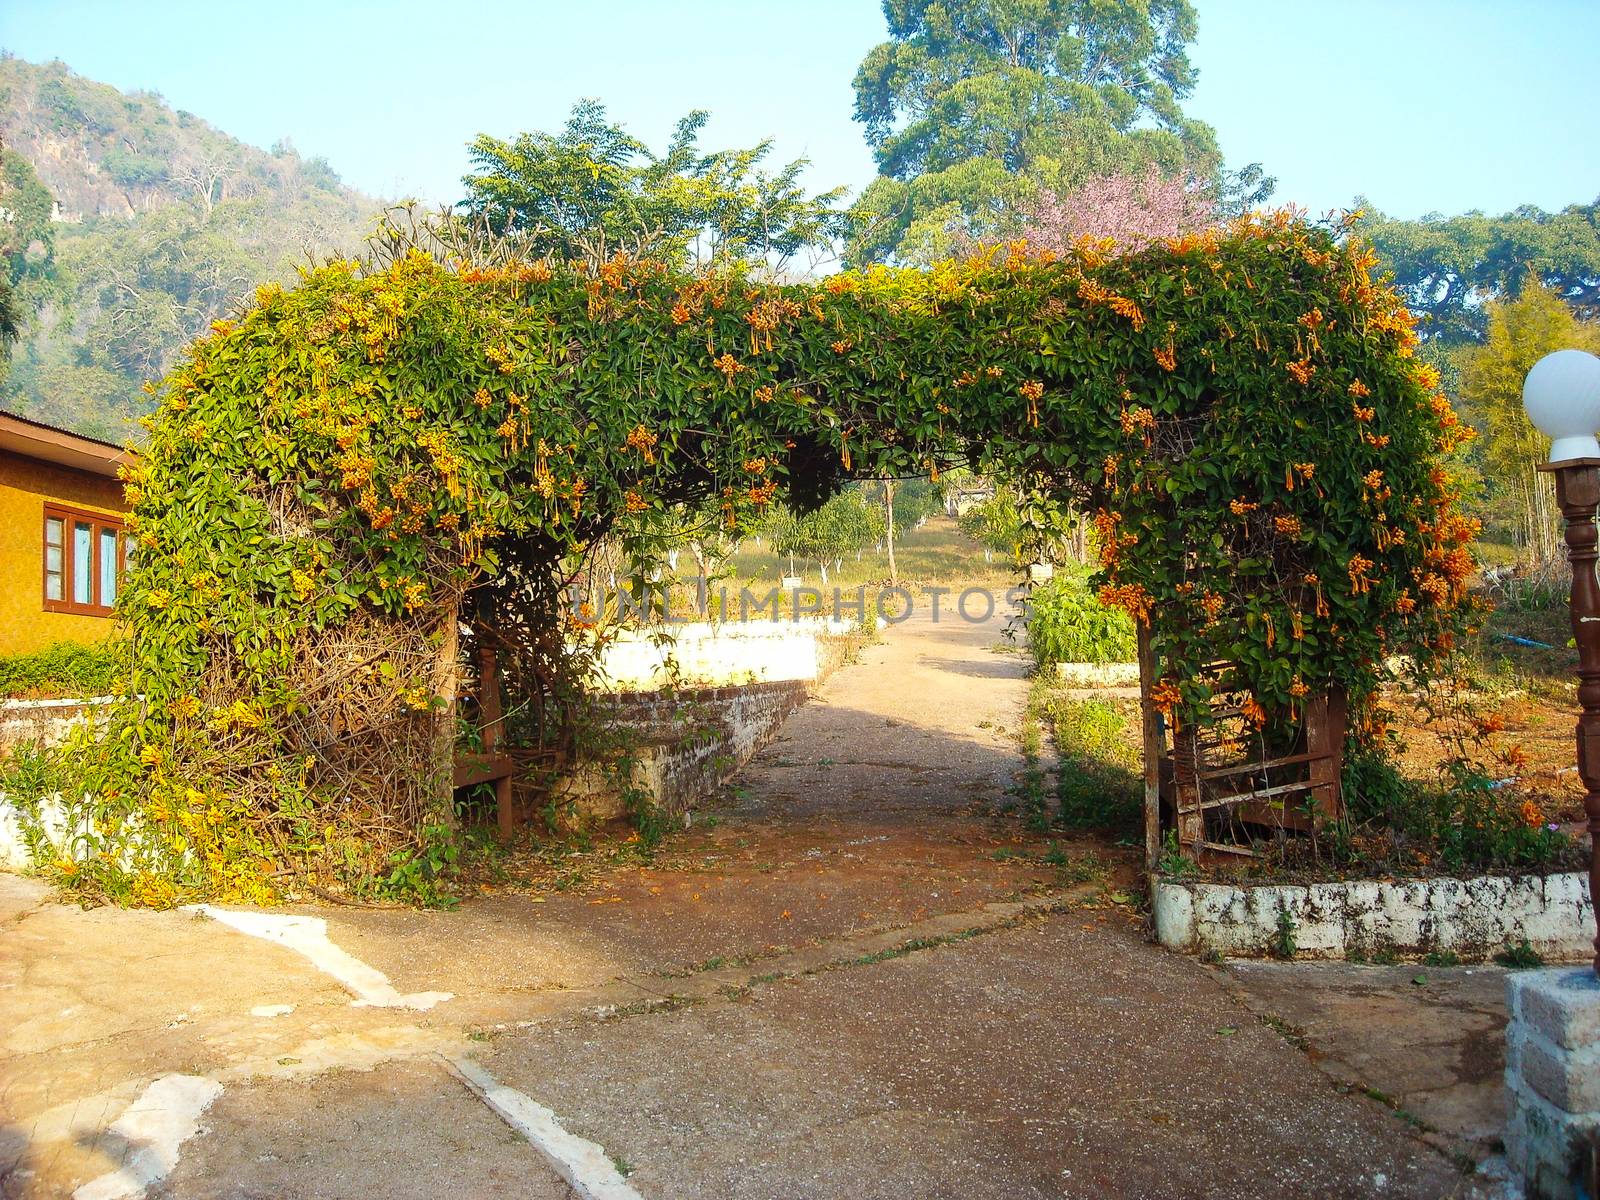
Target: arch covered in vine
x=331 y=475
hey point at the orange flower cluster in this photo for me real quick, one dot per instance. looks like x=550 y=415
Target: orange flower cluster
x=1124 y=307
x=642 y=440
x=1288 y=526
x=501 y=358
x=1031 y=392
x=1166 y=357
x=728 y=365
x=1091 y=292
x=1301 y=370
x=1363 y=414
x=1357 y=568
x=1240 y=508
x=614 y=271
x=1211 y=604
x=1111 y=542
x=1130 y=597
x=1137 y=418
x=1359 y=390
x=1165 y=697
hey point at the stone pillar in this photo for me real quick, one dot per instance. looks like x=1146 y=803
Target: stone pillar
x=1553 y=1081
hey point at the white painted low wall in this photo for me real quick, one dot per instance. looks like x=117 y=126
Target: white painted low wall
x=703 y=654
x=1098 y=675
x=14 y=846
x=1473 y=918
x=47 y=721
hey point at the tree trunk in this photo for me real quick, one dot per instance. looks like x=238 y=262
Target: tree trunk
x=888 y=506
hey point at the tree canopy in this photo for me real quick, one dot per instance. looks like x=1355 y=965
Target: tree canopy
x=593 y=190
x=973 y=104
x=1449 y=268
x=844 y=525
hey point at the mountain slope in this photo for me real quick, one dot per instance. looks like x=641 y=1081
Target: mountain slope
x=161 y=222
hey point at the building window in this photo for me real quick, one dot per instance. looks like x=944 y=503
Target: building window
x=85 y=555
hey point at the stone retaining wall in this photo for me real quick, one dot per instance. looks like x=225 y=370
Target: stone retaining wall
x=690 y=743
x=1472 y=918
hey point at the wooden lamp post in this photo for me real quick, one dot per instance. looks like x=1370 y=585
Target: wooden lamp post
x=1562 y=399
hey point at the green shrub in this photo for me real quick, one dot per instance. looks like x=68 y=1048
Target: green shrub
x=62 y=669
x=1461 y=824
x=1067 y=623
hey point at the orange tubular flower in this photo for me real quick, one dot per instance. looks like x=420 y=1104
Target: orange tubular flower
x=1165 y=696
x=1253 y=712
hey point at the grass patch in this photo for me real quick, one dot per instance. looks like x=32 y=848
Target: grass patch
x=1099 y=782
x=1521 y=957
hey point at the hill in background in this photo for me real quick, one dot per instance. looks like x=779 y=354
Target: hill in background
x=130 y=226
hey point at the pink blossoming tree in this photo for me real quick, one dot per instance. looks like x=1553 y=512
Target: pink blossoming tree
x=1131 y=210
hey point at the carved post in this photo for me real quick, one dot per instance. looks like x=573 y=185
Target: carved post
x=1578 y=494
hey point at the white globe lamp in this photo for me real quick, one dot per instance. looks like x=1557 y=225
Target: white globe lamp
x=1562 y=398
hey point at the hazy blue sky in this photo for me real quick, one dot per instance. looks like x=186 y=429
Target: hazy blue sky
x=1421 y=105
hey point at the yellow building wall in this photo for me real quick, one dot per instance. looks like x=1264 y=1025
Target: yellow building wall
x=25 y=485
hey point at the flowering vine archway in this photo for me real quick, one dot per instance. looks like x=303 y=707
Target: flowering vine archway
x=329 y=475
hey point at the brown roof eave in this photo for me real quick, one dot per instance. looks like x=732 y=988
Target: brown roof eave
x=34 y=439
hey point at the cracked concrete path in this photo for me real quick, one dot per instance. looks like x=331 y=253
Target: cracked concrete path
x=861 y=979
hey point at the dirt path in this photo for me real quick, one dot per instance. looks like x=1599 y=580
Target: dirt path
x=855 y=976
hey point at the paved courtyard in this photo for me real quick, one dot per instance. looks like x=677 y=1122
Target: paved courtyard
x=860 y=980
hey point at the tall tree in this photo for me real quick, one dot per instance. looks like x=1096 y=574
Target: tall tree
x=27 y=241
x=27 y=237
x=1449 y=267
x=1519 y=333
x=973 y=104
x=593 y=189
